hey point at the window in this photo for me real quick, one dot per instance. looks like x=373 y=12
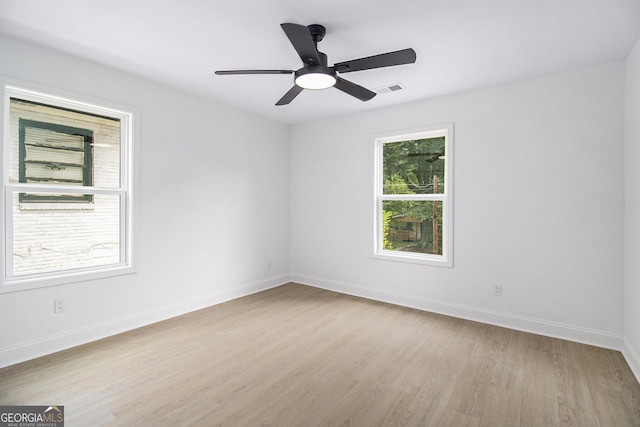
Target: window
x=67 y=179
x=413 y=197
x=52 y=153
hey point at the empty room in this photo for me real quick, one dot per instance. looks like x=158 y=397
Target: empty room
x=287 y=213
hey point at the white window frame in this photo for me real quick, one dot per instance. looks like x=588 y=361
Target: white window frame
x=446 y=259
x=128 y=117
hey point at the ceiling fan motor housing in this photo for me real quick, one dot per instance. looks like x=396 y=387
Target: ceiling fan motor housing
x=316 y=76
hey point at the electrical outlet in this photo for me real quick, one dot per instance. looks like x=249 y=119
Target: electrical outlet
x=497 y=290
x=58 y=305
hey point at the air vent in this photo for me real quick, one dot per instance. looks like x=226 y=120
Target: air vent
x=389 y=88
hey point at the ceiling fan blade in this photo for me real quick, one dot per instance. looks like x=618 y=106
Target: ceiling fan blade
x=300 y=38
x=290 y=95
x=399 y=57
x=238 y=72
x=363 y=94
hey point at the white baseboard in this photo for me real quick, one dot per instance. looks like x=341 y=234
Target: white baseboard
x=631 y=356
x=36 y=348
x=506 y=320
x=68 y=339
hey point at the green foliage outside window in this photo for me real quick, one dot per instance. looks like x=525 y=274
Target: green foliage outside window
x=386 y=220
x=413 y=167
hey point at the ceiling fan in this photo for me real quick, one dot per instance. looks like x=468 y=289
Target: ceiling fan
x=316 y=74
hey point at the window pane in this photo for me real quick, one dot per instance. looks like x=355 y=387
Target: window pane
x=412 y=226
x=48 y=240
x=414 y=166
x=53 y=145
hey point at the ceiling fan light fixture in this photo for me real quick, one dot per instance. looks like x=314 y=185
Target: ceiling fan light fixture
x=315 y=77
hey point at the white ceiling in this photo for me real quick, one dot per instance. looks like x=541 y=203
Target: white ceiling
x=460 y=44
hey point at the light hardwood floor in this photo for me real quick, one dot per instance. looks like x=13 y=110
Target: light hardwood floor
x=300 y=356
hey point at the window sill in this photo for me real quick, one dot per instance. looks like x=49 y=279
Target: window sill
x=16 y=284
x=432 y=260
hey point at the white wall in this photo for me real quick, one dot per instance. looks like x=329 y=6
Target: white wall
x=538 y=206
x=213 y=198
x=632 y=212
